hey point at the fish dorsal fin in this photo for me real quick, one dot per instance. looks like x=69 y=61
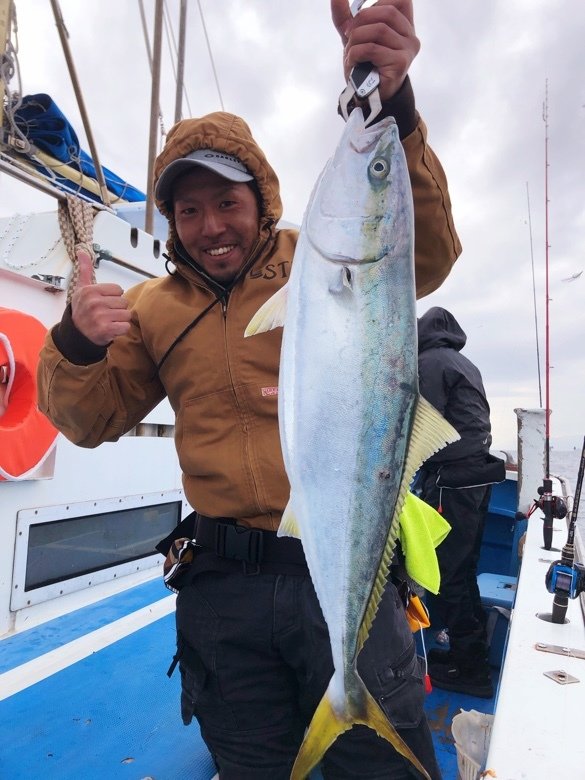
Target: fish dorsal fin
x=289 y=525
x=430 y=432
x=270 y=315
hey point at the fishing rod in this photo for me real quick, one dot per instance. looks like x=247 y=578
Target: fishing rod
x=566 y=578
x=548 y=503
x=545 y=491
x=552 y=507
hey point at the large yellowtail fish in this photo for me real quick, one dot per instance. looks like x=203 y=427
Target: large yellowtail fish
x=354 y=429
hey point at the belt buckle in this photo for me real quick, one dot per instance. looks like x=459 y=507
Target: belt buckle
x=238 y=542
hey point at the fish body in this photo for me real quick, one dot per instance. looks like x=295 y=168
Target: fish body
x=353 y=427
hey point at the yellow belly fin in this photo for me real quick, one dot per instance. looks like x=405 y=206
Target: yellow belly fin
x=270 y=315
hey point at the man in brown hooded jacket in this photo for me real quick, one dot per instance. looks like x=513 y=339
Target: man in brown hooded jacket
x=253 y=646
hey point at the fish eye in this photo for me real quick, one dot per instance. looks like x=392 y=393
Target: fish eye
x=379 y=168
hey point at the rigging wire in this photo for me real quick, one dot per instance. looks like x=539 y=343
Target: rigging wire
x=172 y=44
x=210 y=55
x=534 y=299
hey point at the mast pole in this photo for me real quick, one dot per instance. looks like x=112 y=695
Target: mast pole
x=547 y=296
x=63 y=35
x=154 y=113
x=181 y=61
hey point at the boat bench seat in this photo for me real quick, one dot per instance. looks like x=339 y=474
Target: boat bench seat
x=497 y=593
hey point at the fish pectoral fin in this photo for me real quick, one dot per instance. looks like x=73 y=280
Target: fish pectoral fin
x=326 y=725
x=341 y=280
x=270 y=315
x=289 y=525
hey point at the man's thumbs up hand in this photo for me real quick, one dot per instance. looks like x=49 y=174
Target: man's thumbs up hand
x=99 y=311
x=86 y=274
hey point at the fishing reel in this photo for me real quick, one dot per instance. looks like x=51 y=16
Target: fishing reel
x=552 y=507
x=566 y=581
x=549 y=504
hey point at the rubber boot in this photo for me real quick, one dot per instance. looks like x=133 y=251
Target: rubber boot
x=463 y=669
x=440 y=655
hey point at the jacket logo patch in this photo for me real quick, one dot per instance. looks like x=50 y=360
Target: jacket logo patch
x=272 y=270
x=266 y=391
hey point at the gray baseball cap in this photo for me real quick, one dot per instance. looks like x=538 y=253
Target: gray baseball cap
x=225 y=165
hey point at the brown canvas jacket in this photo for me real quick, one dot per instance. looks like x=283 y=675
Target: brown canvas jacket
x=223 y=388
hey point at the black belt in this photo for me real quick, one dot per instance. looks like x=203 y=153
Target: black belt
x=228 y=539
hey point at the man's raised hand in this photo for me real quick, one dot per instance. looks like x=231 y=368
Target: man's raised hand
x=382 y=34
x=99 y=311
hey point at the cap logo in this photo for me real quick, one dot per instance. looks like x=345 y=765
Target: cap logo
x=218 y=156
x=226 y=165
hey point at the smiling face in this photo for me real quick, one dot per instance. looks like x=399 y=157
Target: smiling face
x=217 y=221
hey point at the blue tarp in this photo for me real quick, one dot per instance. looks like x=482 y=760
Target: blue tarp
x=47 y=128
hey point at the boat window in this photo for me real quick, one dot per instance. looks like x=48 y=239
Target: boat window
x=67 y=548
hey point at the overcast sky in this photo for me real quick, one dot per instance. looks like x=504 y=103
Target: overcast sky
x=479 y=82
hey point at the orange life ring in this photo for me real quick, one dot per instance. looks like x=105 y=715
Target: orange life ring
x=26 y=435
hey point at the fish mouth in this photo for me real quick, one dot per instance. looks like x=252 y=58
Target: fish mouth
x=363 y=139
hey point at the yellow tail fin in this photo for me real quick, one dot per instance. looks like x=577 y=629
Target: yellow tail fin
x=327 y=725
x=323 y=730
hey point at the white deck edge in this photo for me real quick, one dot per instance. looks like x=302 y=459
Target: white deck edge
x=538 y=731
x=44 y=666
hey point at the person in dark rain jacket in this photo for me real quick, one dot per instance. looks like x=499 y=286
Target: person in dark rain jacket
x=457 y=482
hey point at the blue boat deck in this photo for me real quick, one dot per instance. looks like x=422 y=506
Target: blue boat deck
x=87 y=695
x=114 y=713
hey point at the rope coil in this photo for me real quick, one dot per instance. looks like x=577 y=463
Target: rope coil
x=76 y=223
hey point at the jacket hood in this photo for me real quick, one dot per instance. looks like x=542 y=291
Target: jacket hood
x=439 y=328
x=230 y=134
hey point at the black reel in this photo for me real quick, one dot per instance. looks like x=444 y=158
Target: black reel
x=552 y=507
